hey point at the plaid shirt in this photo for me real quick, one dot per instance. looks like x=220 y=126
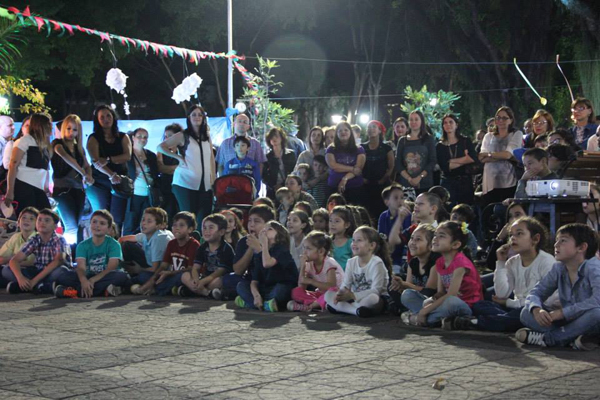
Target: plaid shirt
x=45 y=252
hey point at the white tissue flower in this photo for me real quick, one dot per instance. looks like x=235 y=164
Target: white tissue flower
x=116 y=79
x=187 y=88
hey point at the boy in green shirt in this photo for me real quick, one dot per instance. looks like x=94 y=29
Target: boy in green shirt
x=97 y=261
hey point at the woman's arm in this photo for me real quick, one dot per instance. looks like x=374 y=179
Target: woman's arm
x=15 y=160
x=390 y=168
x=126 y=155
x=213 y=165
x=330 y=158
x=173 y=142
x=99 y=162
x=162 y=168
x=60 y=150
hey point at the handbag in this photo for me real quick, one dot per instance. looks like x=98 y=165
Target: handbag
x=155 y=193
x=123 y=189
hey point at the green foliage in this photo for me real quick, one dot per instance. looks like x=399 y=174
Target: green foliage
x=22 y=88
x=433 y=105
x=269 y=114
x=10 y=38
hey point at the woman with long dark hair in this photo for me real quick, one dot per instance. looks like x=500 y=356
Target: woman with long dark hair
x=499 y=175
x=28 y=177
x=71 y=171
x=110 y=150
x=379 y=168
x=167 y=167
x=280 y=161
x=195 y=174
x=346 y=162
x=143 y=171
x=415 y=155
x=454 y=152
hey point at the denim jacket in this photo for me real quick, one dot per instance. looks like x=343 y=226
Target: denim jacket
x=575 y=299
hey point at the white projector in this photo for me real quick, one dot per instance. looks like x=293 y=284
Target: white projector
x=558 y=188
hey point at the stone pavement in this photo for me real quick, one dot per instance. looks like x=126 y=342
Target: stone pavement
x=168 y=348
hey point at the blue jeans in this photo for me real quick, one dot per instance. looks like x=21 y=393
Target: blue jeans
x=281 y=292
x=162 y=289
x=71 y=202
x=116 y=278
x=451 y=307
x=135 y=209
x=563 y=333
x=488 y=282
x=230 y=282
x=495 y=318
x=101 y=198
x=45 y=286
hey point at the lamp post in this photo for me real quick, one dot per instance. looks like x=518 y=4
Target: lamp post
x=229 y=49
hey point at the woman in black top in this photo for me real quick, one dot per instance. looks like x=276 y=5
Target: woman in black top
x=71 y=171
x=109 y=150
x=454 y=152
x=378 y=168
x=280 y=161
x=166 y=167
x=143 y=171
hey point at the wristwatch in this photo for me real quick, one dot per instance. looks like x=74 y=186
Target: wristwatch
x=108 y=160
x=422 y=176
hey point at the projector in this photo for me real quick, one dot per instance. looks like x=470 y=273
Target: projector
x=558 y=188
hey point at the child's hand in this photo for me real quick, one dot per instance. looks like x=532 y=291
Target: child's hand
x=305 y=280
x=343 y=295
x=24 y=283
x=87 y=289
x=499 y=300
x=542 y=317
x=557 y=315
x=253 y=243
x=403 y=212
x=397 y=283
x=263 y=239
x=162 y=275
x=502 y=252
x=147 y=287
x=258 y=301
x=503 y=233
x=422 y=317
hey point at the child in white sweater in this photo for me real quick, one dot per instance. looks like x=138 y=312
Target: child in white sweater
x=516 y=276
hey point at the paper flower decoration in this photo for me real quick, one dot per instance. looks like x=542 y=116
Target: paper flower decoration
x=117 y=80
x=187 y=88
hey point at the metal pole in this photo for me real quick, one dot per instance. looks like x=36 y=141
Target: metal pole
x=229 y=48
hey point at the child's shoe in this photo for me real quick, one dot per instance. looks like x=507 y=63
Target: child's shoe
x=365 y=312
x=270 y=306
x=136 y=289
x=112 y=291
x=294 y=306
x=240 y=302
x=410 y=319
x=184 y=291
x=13 y=288
x=461 y=323
x=331 y=309
x=585 y=343
x=61 y=292
x=527 y=336
x=216 y=294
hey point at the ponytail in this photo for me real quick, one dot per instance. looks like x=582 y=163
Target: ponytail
x=382 y=249
x=460 y=233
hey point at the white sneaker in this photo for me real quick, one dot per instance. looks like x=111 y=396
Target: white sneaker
x=527 y=336
x=136 y=289
x=216 y=294
x=585 y=343
x=112 y=290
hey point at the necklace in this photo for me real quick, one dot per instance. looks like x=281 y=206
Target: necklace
x=453 y=153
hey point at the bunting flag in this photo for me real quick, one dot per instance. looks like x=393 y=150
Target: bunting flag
x=564 y=76
x=26 y=18
x=542 y=99
x=246 y=75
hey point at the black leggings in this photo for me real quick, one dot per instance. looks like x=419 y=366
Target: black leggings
x=29 y=196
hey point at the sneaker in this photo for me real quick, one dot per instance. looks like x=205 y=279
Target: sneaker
x=331 y=309
x=365 y=312
x=270 y=306
x=585 y=343
x=216 y=294
x=527 y=336
x=294 y=306
x=447 y=323
x=240 y=302
x=112 y=291
x=62 y=292
x=174 y=290
x=463 y=323
x=410 y=319
x=136 y=289
x=184 y=291
x=13 y=288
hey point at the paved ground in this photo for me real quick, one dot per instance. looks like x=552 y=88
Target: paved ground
x=165 y=348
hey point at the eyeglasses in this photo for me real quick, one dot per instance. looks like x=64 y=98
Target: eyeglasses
x=579 y=109
x=540 y=123
x=499 y=118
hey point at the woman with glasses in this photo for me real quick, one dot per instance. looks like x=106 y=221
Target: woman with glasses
x=196 y=172
x=585 y=121
x=499 y=174
x=542 y=123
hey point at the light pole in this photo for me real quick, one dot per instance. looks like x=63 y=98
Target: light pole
x=229 y=49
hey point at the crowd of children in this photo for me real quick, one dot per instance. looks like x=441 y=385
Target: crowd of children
x=416 y=263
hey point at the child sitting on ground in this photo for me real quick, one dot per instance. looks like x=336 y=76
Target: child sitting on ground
x=420 y=273
x=318 y=274
x=321 y=220
x=285 y=197
x=298 y=225
x=274 y=275
x=365 y=278
x=235 y=230
x=318 y=184
x=26 y=224
x=393 y=197
x=576 y=276
x=98 y=257
x=177 y=259
x=242 y=164
x=214 y=259
x=52 y=258
x=458 y=287
x=341 y=229
x=464 y=213
x=303 y=172
x=515 y=277
x=294 y=183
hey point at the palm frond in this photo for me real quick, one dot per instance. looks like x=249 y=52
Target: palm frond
x=10 y=38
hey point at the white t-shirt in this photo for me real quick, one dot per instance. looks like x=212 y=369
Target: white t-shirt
x=363 y=281
x=500 y=174
x=512 y=277
x=189 y=174
x=321 y=276
x=33 y=168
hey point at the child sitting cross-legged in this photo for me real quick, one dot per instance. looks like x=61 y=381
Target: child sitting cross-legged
x=366 y=276
x=98 y=257
x=318 y=274
x=214 y=259
x=178 y=258
x=514 y=277
x=576 y=276
x=274 y=274
x=26 y=225
x=52 y=258
x=458 y=287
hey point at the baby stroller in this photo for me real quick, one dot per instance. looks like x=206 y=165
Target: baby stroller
x=234 y=191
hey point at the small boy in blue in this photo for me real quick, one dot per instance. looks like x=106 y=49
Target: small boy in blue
x=98 y=258
x=576 y=276
x=52 y=258
x=241 y=164
x=393 y=197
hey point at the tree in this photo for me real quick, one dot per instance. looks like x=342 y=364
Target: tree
x=433 y=106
